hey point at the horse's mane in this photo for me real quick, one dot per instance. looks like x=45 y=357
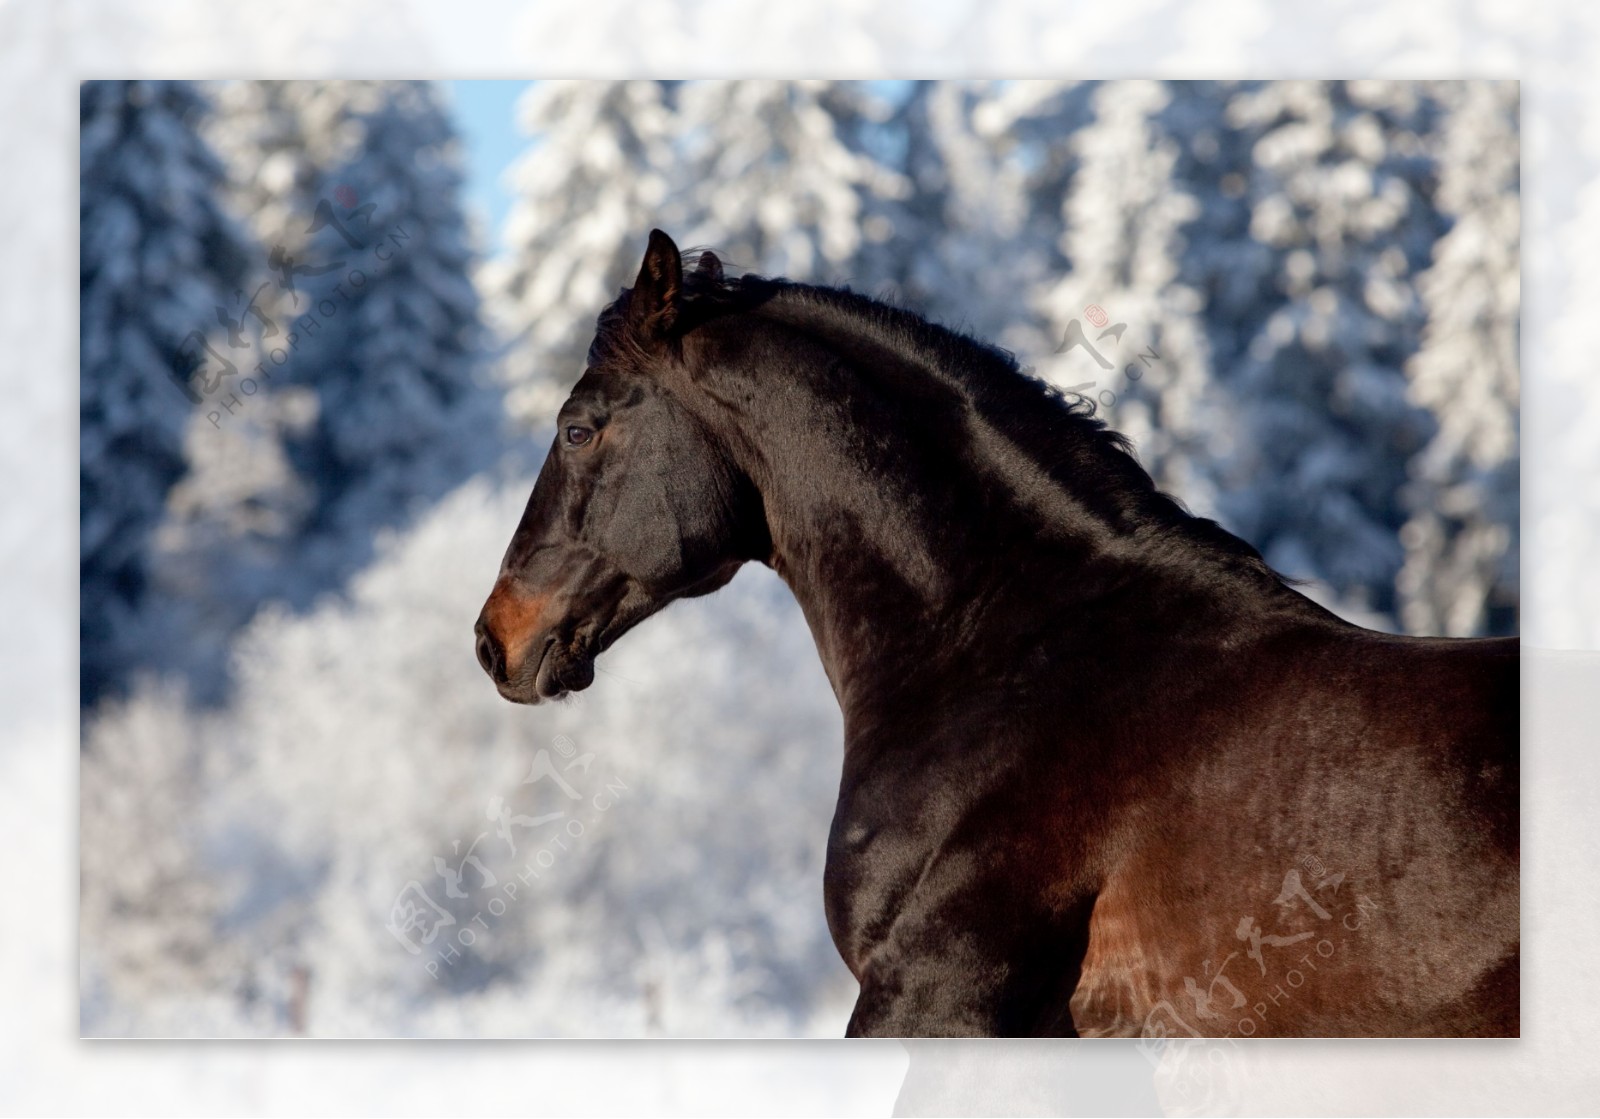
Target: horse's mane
x=1058 y=433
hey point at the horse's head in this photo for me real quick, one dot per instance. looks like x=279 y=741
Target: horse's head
x=638 y=502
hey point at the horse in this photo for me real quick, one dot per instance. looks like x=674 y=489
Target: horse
x=1106 y=773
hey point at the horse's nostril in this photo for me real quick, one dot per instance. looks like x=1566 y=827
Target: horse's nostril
x=489 y=657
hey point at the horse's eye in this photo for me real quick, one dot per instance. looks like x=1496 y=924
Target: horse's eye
x=578 y=436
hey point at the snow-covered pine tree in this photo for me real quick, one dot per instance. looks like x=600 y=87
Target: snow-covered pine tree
x=1235 y=274
x=269 y=509
x=259 y=131
x=1340 y=188
x=958 y=245
x=1038 y=123
x=775 y=176
x=1147 y=362
x=235 y=520
x=157 y=256
x=1460 y=573
x=404 y=411
x=280 y=140
x=588 y=191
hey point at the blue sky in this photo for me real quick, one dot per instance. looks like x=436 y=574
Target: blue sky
x=486 y=116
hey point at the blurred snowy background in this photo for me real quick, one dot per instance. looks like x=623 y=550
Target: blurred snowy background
x=291 y=763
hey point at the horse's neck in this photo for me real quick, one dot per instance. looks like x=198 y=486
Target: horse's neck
x=870 y=560
x=910 y=548
x=902 y=556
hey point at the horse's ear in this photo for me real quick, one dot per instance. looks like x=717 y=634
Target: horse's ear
x=653 y=306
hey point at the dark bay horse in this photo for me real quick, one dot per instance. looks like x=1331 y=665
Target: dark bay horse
x=1104 y=771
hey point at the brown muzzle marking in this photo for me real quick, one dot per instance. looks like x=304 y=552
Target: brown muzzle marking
x=510 y=619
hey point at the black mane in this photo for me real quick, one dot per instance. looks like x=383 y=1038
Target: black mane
x=1059 y=433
